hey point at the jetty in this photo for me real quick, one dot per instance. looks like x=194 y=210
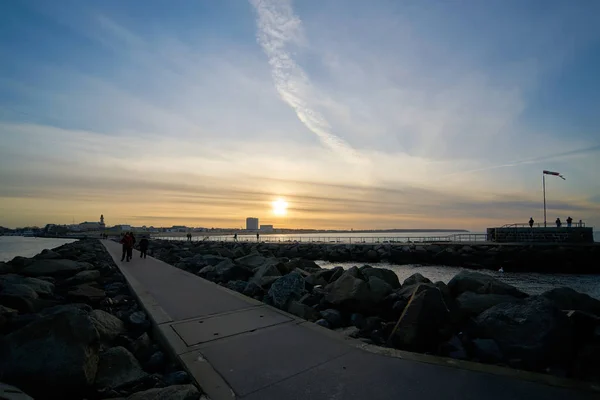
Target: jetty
x=235 y=347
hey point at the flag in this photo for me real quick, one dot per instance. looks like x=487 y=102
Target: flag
x=555 y=174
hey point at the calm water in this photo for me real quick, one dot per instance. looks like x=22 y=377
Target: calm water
x=12 y=246
x=532 y=283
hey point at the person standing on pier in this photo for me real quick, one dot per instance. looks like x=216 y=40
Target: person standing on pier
x=235 y=237
x=558 y=223
x=569 y=222
x=130 y=251
x=127 y=243
x=257 y=237
x=531 y=222
x=144 y=246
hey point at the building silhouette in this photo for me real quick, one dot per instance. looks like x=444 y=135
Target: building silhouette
x=251 y=224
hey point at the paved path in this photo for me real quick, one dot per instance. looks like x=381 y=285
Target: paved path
x=236 y=347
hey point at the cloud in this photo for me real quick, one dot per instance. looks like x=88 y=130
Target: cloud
x=279 y=29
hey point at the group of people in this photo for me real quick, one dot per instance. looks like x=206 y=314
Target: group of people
x=128 y=241
x=558 y=222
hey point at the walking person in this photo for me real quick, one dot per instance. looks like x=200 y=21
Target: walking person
x=531 y=222
x=144 y=243
x=257 y=237
x=558 y=223
x=130 y=252
x=127 y=243
x=235 y=237
x=569 y=222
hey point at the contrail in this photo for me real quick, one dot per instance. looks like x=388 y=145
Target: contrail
x=585 y=150
x=277 y=28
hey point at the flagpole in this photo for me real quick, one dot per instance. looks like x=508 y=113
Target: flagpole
x=544 y=185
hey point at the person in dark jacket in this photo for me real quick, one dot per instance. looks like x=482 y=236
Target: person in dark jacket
x=144 y=243
x=130 y=252
x=127 y=242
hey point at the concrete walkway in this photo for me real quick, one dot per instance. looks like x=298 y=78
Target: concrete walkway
x=236 y=347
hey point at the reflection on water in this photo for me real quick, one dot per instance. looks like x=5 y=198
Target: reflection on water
x=532 y=283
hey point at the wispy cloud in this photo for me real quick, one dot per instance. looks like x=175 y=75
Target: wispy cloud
x=278 y=30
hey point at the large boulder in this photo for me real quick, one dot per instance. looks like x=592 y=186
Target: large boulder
x=303 y=311
x=6 y=268
x=175 y=392
x=55 y=268
x=348 y=290
x=84 y=277
x=57 y=354
x=379 y=289
x=472 y=304
x=41 y=287
x=264 y=274
x=286 y=289
x=8 y=392
x=468 y=281
x=568 y=299
x=48 y=255
x=415 y=279
x=86 y=294
x=534 y=331
x=107 y=325
x=386 y=275
x=303 y=264
x=18 y=290
x=118 y=367
x=251 y=261
x=420 y=326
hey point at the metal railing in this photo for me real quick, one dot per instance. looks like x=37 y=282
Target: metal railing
x=400 y=240
x=578 y=224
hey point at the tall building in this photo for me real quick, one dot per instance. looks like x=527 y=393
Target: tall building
x=251 y=224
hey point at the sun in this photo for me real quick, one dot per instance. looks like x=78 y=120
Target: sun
x=280 y=207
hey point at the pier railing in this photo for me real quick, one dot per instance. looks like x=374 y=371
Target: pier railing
x=399 y=240
x=549 y=224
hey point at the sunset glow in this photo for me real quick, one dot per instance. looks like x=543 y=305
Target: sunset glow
x=280 y=207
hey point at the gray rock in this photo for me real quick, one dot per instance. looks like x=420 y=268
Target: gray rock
x=467 y=281
x=415 y=279
x=238 y=286
x=156 y=362
x=303 y=311
x=86 y=294
x=535 y=331
x=175 y=392
x=18 y=290
x=225 y=271
x=48 y=255
x=57 y=354
x=568 y=299
x=55 y=268
x=251 y=261
x=333 y=317
x=8 y=312
x=20 y=262
x=454 y=349
x=8 y=392
x=303 y=264
x=107 y=325
x=286 y=289
x=142 y=348
x=418 y=328
x=40 y=286
x=253 y=289
x=472 y=304
x=384 y=274
x=6 y=268
x=323 y=322
x=84 y=277
x=176 y=378
x=213 y=260
x=118 y=367
x=64 y=308
x=138 y=318
x=264 y=274
x=487 y=351
x=379 y=289
x=348 y=289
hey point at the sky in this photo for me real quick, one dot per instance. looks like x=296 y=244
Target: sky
x=357 y=114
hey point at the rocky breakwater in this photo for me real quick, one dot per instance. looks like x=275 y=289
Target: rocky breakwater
x=70 y=329
x=523 y=258
x=474 y=317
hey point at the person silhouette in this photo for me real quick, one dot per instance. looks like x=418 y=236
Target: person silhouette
x=558 y=223
x=531 y=222
x=569 y=221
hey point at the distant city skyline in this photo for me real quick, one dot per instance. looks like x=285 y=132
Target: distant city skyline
x=332 y=114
